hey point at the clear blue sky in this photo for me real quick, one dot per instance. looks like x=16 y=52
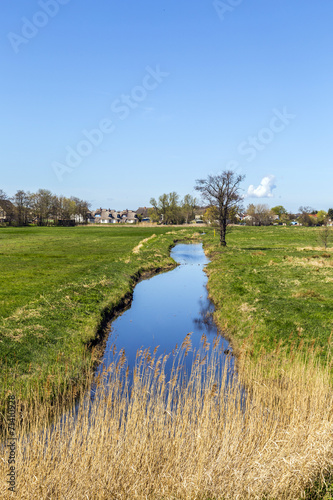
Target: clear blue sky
x=178 y=90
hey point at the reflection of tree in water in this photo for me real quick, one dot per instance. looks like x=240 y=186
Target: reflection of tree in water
x=205 y=320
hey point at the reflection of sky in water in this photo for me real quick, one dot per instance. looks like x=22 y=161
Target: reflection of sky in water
x=166 y=308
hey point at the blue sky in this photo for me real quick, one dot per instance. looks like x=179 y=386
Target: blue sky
x=116 y=102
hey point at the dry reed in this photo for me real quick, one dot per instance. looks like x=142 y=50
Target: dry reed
x=156 y=436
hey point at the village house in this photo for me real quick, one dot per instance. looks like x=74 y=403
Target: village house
x=6 y=211
x=2 y=215
x=143 y=214
x=108 y=216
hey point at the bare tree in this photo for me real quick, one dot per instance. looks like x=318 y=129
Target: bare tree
x=7 y=209
x=222 y=191
x=81 y=209
x=261 y=214
x=188 y=205
x=21 y=201
x=42 y=204
x=325 y=235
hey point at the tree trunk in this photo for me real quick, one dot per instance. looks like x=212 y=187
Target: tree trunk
x=223 y=243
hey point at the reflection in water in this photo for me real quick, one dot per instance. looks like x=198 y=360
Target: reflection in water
x=205 y=320
x=170 y=323
x=165 y=309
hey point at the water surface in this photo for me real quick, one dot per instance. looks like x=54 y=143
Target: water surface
x=166 y=308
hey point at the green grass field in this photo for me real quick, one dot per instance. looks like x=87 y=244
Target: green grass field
x=273 y=285
x=272 y=288
x=57 y=287
x=270 y=285
x=273 y=293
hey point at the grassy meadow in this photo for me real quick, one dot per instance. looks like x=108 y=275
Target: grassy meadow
x=273 y=286
x=58 y=288
x=267 y=437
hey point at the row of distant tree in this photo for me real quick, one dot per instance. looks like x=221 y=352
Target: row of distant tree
x=221 y=194
x=224 y=202
x=310 y=217
x=170 y=209
x=263 y=215
x=42 y=208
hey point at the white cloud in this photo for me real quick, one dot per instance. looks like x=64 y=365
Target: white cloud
x=264 y=190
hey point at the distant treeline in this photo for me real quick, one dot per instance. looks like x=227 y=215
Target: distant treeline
x=41 y=208
x=170 y=209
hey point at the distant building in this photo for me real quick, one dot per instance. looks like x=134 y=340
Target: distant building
x=108 y=216
x=6 y=211
x=143 y=212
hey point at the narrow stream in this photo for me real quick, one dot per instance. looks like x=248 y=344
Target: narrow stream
x=165 y=309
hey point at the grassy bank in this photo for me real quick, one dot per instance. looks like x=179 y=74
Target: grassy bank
x=273 y=286
x=191 y=440
x=58 y=288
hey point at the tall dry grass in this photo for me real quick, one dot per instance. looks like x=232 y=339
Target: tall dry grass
x=184 y=437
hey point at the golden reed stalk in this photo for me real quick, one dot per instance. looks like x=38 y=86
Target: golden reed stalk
x=159 y=436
